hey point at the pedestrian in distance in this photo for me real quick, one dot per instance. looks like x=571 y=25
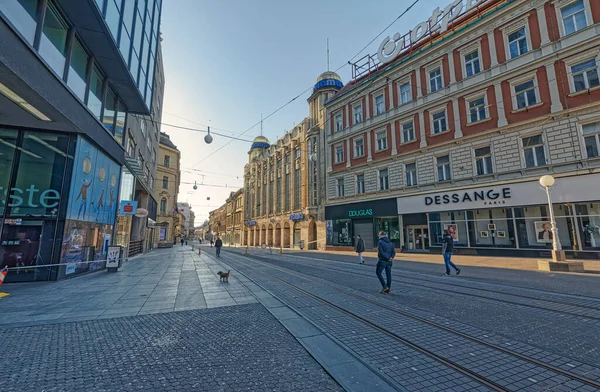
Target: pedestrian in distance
x=385 y=256
x=182 y=241
x=360 y=248
x=211 y=242
x=447 y=249
x=218 y=245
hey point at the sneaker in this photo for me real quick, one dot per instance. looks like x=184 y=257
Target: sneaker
x=383 y=291
x=446 y=274
x=458 y=272
x=386 y=290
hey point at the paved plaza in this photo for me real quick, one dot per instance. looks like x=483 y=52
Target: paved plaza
x=300 y=321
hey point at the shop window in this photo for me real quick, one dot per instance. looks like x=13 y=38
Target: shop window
x=534 y=228
x=339 y=125
x=357 y=114
x=340 y=187
x=589 y=225
x=435 y=79
x=391 y=226
x=54 y=39
x=533 y=149
x=381 y=141
x=21 y=13
x=360 y=183
x=585 y=75
x=491 y=228
x=359 y=148
x=379 y=105
x=517 y=42
x=76 y=79
x=573 y=17
x=384 y=183
x=41 y=171
x=438 y=122
x=408 y=132
x=453 y=221
x=411 y=174
x=405 y=93
x=591 y=135
x=7 y=152
x=443 y=168
x=472 y=63
x=483 y=161
x=339 y=232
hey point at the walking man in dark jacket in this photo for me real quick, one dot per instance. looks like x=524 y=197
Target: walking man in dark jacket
x=218 y=245
x=360 y=248
x=447 y=249
x=385 y=254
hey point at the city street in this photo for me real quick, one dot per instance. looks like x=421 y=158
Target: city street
x=300 y=321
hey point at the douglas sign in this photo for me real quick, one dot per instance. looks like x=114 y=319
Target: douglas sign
x=439 y=21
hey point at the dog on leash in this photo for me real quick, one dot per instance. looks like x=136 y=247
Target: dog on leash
x=223 y=276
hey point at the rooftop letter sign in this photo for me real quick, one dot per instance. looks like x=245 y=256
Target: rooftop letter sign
x=391 y=47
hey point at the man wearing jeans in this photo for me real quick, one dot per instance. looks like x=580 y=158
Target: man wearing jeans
x=447 y=249
x=360 y=248
x=385 y=254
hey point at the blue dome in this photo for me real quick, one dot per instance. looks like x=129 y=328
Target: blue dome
x=260 y=142
x=328 y=80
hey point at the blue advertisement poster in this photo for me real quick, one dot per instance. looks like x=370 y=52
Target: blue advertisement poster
x=94 y=185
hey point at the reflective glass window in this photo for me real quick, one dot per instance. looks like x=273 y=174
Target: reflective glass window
x=120 y=123
x=94 y=102
x=8 y=141
x=142 y=81
x=138 y=33
x=125 y=45
x=100 y=4
x=77 y=69
x=339 y=232
x=134 y=66
x=108 y=118
x=21 y=14
x=42 y=161
x=54 y=39
x=112 y=18
x=156 y=18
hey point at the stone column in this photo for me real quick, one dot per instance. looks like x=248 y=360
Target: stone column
x=553 y=86
x=369 y=155
x=500 y=105
x=422 y=129
x=541 y=15
x=457 y=127
x=493 y=53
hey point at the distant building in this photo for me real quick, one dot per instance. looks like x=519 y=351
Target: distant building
x=234 y=218
x=166 y=189
x=185 y=209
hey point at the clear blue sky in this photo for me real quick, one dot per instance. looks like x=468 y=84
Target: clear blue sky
x=228 y=61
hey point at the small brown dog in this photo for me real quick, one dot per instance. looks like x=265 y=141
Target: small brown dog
x=224 y=276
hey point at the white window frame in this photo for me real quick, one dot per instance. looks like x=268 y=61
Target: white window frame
x=355 y=143
x=576 y=61
x=431 y=68
x=435 y=165
x=340 y=187
x=544 y=145
x=471 y=98
x=337 y=158
x=379 y=187
x=493 y=168
x=468 y=50
x=595 y=135
x=518 y=25
x=358 y=188
x=401 y=83
x=416 y=177
x=384 y=143
x=558 y=5
x=433 y=112
x=339 y=126
x=375 y=96
x=414 y=134
x=521 y=80
x=354 y=107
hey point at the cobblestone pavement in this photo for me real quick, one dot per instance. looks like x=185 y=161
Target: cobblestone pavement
x=563 y=334
x=164 y=322
x=398 y=363
x=234 y=348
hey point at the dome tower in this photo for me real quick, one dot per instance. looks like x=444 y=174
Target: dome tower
x=259 y=145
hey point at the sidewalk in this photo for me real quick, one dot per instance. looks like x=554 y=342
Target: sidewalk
x=518 y=263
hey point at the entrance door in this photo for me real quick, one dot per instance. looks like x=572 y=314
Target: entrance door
x=417 y=238
x=365 y=230
x=20 y=246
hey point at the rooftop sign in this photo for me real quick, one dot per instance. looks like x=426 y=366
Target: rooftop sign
x=391 y=47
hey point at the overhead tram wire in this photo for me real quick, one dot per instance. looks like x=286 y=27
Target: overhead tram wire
x=200 y=130
x=310 y=88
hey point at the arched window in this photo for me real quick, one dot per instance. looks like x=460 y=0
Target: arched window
x=163 y=206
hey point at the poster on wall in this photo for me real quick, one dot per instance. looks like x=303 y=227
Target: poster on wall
x=329 y=232
x=452 y=230
x=543 y=232
x=162 y=234
x=94 y=185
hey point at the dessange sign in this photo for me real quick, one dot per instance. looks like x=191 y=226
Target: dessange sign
x=565 y=190
x=391 y=47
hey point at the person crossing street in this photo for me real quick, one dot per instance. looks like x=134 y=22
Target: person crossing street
x=385 y=255
x=447 y=249
x=218 y=245
x=360 y=248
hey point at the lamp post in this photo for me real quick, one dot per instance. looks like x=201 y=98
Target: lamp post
x=558 y=254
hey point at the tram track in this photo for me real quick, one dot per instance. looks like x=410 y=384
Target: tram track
x=482 y=379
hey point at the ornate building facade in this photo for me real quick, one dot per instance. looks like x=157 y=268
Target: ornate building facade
x=166 y=189
x=284 y=182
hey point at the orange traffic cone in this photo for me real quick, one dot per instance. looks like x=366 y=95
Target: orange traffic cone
x=3 y=274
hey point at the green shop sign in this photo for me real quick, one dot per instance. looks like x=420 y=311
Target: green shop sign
x=353 y=213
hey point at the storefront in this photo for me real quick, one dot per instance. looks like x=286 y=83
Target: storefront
x=507 y=219
x=366 y=219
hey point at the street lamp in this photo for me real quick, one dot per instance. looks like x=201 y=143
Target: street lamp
x=558 y=254
x=208 y=138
